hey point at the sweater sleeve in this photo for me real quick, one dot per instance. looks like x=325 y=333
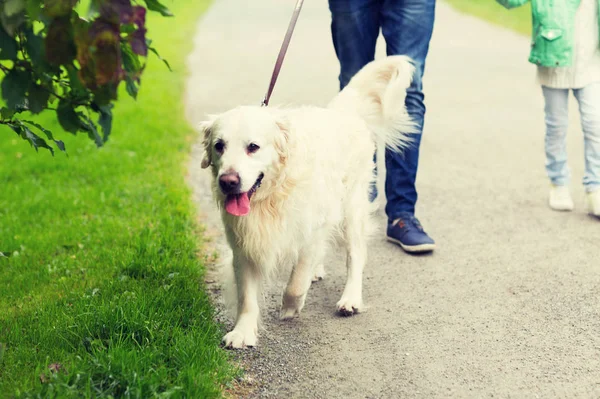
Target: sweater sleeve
x=512 y=3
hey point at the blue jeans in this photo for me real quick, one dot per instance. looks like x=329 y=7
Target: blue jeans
x=557 y=124
x=407 y=26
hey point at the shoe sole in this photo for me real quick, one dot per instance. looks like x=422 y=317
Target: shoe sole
x=414 y=249
x=562 y=208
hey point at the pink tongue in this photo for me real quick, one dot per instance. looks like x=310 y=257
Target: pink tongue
x=237 y=204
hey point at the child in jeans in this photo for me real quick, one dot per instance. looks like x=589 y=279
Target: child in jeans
x=566 y=49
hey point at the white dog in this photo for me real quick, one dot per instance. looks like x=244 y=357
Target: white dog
x=287 y=180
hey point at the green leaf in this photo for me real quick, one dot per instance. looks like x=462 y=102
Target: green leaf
x=12 y=23
x=131 y=61
x=8 y=46
x=154 y=5
x=38 y=98
x=128 y=28
x=160 y=58
x=93 y=10
x=61 y=145
x=35 y=140
x=90 y=128
x=133 y=68
x=77 y=89
x=14 y=87
x=67 y=117
x=105 y=120
x=103 y=95
x=12 y=7
x=6 y=113
x=35 y=46
x=34 y=9
x=131 y=87
x=48 y=133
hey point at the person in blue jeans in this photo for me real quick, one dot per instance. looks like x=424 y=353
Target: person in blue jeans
x=407 y=27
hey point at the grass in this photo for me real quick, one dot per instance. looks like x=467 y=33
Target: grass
x=103 y=294
x=518 y=19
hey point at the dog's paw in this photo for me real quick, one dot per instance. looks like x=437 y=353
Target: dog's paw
x=348 y=306
x=237 y=339
x=319 y=273
x=291 y=306
x=288 y=313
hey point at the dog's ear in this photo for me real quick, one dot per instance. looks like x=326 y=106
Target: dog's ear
x=206 y=129
x=281 y=143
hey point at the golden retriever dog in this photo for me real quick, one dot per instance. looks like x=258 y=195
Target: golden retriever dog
x=287 y=181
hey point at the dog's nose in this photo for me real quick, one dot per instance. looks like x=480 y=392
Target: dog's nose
x=229 y=182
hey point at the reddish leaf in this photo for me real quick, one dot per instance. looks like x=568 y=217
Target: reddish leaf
x=106 y=52
x=139 y=16
x=138 y=42
x=83 y=42
x=137 y=39
x=58 y=8
x=117 y=11
x=60 y=48
x=87 y=76
x=99 y=54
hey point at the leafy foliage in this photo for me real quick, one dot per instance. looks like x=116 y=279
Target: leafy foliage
x=55 y=59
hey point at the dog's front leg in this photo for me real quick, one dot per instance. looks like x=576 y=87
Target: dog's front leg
x=248 y=288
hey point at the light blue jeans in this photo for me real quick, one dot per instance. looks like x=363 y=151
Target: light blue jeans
x=557 y=123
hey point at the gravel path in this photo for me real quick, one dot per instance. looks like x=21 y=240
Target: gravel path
x=508 y=306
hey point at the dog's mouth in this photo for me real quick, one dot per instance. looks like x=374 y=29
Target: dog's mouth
x=239 y=204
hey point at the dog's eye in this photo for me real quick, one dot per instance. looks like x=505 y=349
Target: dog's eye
x=219 y=147
x=252 y=148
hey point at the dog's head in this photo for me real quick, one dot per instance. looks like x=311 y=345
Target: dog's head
x=245 y=147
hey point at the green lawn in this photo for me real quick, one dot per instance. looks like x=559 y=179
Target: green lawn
x=518 y=19
x=104 y=279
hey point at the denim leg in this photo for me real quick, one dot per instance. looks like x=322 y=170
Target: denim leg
x=354 y=29
x=407 y=26
x=557 y=125
x=589 y=108
x=373 y=192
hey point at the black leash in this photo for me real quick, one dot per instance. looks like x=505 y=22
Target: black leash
x=282 y=51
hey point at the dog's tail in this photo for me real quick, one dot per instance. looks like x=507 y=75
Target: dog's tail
x=377 y=93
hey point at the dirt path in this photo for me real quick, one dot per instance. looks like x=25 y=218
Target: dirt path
x=508 y=306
